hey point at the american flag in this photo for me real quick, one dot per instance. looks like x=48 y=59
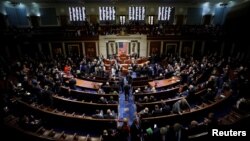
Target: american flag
x=123 y=47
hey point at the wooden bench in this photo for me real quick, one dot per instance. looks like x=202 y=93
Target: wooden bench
x=199 y=111
x=64 y=119
x=86 y=96
x=43 y=134
x=74 y=105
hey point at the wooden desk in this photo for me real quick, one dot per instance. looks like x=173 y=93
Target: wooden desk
x=164 y=82
x=73 y=120
x=87 y=84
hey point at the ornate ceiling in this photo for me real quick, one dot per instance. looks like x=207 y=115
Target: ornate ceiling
x=127 y=1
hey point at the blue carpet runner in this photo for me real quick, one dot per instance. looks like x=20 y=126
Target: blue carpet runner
x=126 y=109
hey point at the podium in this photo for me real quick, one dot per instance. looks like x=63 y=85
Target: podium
x=122 y=58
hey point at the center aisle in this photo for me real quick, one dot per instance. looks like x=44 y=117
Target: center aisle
x=126 y=109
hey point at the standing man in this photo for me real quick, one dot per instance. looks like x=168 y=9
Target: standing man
x=126 y=91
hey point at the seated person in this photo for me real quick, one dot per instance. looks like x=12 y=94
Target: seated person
x=209 y=96
x=111 y=100
x=145 y=99
x=165 y=108
x=152 y=98
x=243 y=104
x=146 y=89
x=196 y=128
x=109 y=115
x=106 y=88
x=100 y=91
x=144 y=112
x=180 y=105
x=103 y=100
x=72 y=84
x=137 y=91
x=115 y=92
x=153 y=89
x=18 y=89
x=157 y=111
x=211 y=121
x=115 y=86
x=98 y=114
x=67 y=69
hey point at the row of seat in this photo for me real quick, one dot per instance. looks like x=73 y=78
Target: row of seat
x=86 y=96
x=197 y=111
x=65 y=119
x=164 y=94
x=167 y=101
x=45 y=134
x=232 y=117
x=74 y=105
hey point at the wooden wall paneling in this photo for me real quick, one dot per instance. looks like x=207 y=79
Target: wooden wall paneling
x=90 y=49
x=29 y=48
x=73 y=49
x=197 y=49
x=212 y=47
x=93 y=19
x=170 y=47
x=57 y=49
x=155 y=47
x=186 y=48
x=45 y=49
x=64 y=20
x=179 y=19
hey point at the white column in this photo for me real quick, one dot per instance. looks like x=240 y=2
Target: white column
x=193 y=46
x=97 y=49
x=83 y=49
x=148 y=49
x=161 y=47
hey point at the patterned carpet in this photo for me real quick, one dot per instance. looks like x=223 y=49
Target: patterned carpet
x=126 y=109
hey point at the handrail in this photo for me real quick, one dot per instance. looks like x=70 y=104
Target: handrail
x=227 y=94
x=169 y=100
x=64 y=114
x=81 y=102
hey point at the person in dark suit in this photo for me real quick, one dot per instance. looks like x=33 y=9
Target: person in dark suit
x=106 y=88
x=124 y=131
x=157 y=111
x=98 y=114
x=180 y=105
x=47 y=96
x=135 y=130
x=178 y=133
x=129 y=79
x=109 y=115
x=121 y=82
x=126 y=91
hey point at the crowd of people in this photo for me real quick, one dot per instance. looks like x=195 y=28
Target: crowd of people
x=96 y=29
x=36 y=79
